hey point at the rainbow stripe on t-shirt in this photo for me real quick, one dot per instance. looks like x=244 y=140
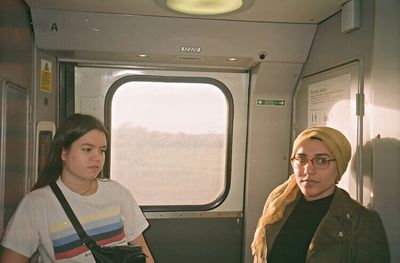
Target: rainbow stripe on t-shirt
x=105 y=227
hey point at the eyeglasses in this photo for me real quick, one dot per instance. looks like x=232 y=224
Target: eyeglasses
x=319 y=162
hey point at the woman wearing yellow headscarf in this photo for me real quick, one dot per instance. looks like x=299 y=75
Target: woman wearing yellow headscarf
x=309 y=219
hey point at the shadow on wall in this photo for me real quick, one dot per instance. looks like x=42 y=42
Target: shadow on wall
x=381 y=168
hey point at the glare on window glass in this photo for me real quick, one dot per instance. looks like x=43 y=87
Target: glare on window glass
x=169 y=142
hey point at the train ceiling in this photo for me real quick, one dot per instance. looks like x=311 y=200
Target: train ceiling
x=281 y=11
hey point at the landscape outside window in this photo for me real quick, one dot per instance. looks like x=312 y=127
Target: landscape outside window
x=169 y=142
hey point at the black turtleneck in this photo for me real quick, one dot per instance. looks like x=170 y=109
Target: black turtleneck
x=292 y=241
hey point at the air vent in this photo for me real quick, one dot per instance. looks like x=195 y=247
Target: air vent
x=189 y=57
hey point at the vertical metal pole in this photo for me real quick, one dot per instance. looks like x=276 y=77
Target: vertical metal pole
x=360 y=122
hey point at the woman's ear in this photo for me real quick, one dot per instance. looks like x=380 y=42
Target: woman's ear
x=63 y=154
x=338 y=177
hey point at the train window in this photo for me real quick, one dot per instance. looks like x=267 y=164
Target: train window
x=170 y=141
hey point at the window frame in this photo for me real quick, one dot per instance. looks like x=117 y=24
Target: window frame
x=229 y=132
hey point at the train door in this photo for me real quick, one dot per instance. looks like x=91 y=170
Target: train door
x=14 y=129
x=178 y=142
x=335 y=98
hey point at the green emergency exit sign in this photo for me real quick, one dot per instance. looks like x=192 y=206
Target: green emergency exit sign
x=266 y=102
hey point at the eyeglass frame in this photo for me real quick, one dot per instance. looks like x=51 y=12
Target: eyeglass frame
x=308 y=160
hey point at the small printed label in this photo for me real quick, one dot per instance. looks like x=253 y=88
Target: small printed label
x=265 y=102
x=191 y=49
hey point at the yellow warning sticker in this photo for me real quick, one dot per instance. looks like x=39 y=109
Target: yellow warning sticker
x=46 y=76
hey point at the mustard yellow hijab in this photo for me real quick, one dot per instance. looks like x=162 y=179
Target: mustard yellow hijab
x=286 y=193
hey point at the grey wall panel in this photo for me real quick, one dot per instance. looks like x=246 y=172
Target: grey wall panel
x=195 y=240
x=269 y=135
x=385 y=136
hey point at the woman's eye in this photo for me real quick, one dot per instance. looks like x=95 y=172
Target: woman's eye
x=321 y=160
x=302 y=159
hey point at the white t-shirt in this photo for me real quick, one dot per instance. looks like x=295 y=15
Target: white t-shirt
x=110 y=216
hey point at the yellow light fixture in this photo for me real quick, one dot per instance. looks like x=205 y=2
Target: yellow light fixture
x=204 y=7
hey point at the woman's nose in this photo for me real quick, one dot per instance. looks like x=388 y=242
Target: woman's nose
x=309 y=168
x=97 y=156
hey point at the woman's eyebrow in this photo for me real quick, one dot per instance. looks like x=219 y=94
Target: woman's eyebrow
x=317 y=154
x=92 y=145
x=322 y=154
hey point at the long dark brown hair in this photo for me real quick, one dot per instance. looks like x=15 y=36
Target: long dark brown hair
x=69 y=131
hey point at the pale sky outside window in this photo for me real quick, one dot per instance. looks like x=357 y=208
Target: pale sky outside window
x=174 y=107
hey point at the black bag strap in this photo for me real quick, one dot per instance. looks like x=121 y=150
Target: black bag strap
x=85 y=239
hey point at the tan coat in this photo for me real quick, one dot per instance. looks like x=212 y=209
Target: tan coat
x=348 y=232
